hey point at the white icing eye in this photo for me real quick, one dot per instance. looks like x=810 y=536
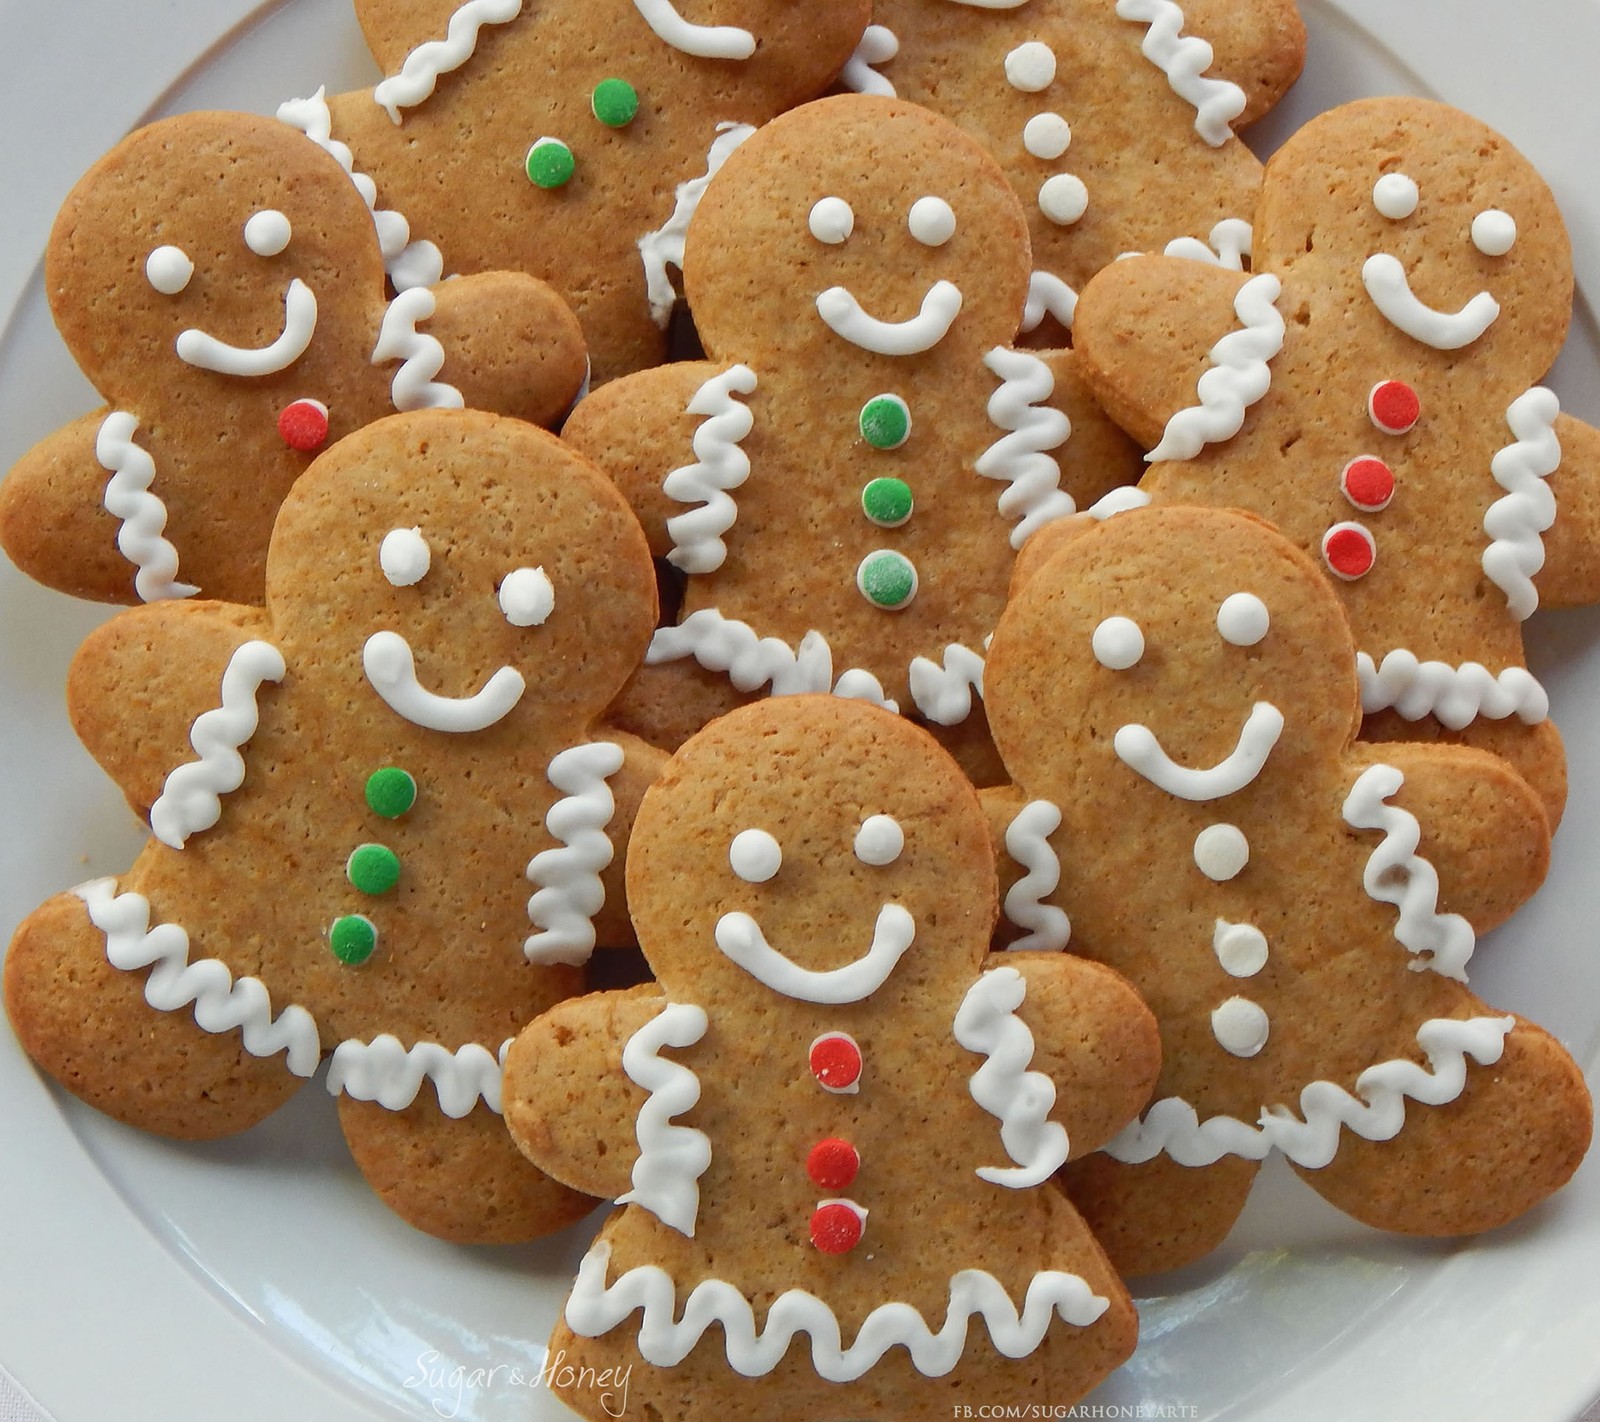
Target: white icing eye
x=879 y=840
x=932 y=221
x=267 y=233
x=404 y=557
x=1494 y=233
x=1118 y=643
x=168 y=270
x=527 y=597
x=1047 y=136
x=1243 y=619
x=1395 y=196
x=755 y=856
x=832 y=221
x=1063 y=199
x=1031 y=67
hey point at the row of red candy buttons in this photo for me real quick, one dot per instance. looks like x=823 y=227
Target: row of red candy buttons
x=836 y=1225
x=1349 y=549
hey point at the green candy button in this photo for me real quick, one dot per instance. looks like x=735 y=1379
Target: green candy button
x=887 y=579
x=391 y=792
x=352 y=938
x=886 y=422
x=550 y=163
x=887 y=502
x=615 y=102
x=373 y=868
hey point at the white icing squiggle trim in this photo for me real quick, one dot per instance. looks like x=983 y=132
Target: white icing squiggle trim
x=220 y=1003
x=697 y=545
x=1022 y=457
x=1184 y=60
x=879 y=44
x=190 y=799
x=741 y=940
x=702 y=41
x=1231 y=242
x=570 y=892
x=1048 y=295
x=205 y=352
x=666 y=1176
x=1376 y=1112
x=1019 y=1099
x=387 y=1071
x=1389 y=287
x=1028 y=842
x=1396 y=874
x=420 y=355
x=1514 y=523
x=943 y=692
x=858 y=684
x=1239 y=375
x=723 y=644
x=143 y=515
x=1457 y=696
x=663 y=248
x=1123 y=500
x=1136 y=747
x=665 y=1340
x=420 y=72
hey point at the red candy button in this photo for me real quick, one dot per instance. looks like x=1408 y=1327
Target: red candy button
x=836 y=1061
x=832 y=1164
x=1394 y=406
x=836 y=1226
x=304 y=425
x=1368 y=483
x=1349 y=550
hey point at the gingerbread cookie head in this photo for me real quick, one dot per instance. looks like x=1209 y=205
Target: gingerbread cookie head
x=222 y=286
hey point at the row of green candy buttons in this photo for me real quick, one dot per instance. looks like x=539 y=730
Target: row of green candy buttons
x=372 y=868
x=887 y=579
x=550 y=162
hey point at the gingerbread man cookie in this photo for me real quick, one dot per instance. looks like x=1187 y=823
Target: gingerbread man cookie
x=1114 y=123
x=1175 y=693
x=571 y=138
x=220 y=283
x=1376 y=400
x=836 y=1115
x=846 y=479
x=395 y=837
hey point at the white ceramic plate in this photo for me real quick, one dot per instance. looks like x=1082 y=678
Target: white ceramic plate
x=257 y=1278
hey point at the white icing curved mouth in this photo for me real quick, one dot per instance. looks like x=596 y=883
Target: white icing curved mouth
x=206 y=352
x=1137 y=747
x=842 y=314
x=740 y=938
x=1390 y=289
x=392 y=671
x=703 y=41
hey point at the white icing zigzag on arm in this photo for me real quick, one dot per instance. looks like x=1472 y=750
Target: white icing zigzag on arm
x=420 y=355
x=1457 y=696
x=1184 y=60
x=1022 y=456
x=943 y=692
x=1376 y=1112
x=672 y=1158
x=665 y=1340
x=1019 y=1099
x=1515 y=522
x=220 y=1003
x=697 y=545
x=1231 y=241
x=1396 y=874
x=1048 y=295
x=879 y=44
x=723 y=644
x=1239 y=375
x=190 y=799
x=570 y=891
x=1028 y=842
x=420 y=72
x=385 y=1070
x=144 y=516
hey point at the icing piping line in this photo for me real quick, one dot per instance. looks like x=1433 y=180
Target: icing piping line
x=672 y=1158
x=1028 y=842
x=1396 y=874
x=420 y=355
x=1184 y=60
x=385 y=1070
x=570 y=891
x=1239 y=375
x=144 y=517
x=665 y=1340
x=1514 y=523
x=220 y=1003
x=1230 y=246
x=722 y=644
x=1457 y=696
x=422 y=68
x=1375 y=1113
x=697 y=545
x=1021 y=458
x=879 y=44
x=1048 y=295
x=1019 y=1099
x=943 y=692
x=191 y=797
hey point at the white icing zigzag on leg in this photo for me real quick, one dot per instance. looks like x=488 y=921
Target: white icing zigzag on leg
x=944 y=692
x=1457 y=696
x=385 y=1070
x=1028 y=842
x=723 y=644
x=1022 y=457
x=570 y=890
x=144 y=516
x=697 y=545
x=420 y=355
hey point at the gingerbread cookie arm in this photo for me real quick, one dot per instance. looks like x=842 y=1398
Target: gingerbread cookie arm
x=1570 y=576
x=393 y=28
x=1144 y=332
x=140 y=684
x=1259 y=45
x=1097 y=457
x=641 y=764
x=569 y=1105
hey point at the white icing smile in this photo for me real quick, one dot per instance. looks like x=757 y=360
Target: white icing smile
x=843 y=315
x=703 y=41
x=1390 y=289
x=392 y=671
x=1137 y=747
x=740 y=938
x=206 y=352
